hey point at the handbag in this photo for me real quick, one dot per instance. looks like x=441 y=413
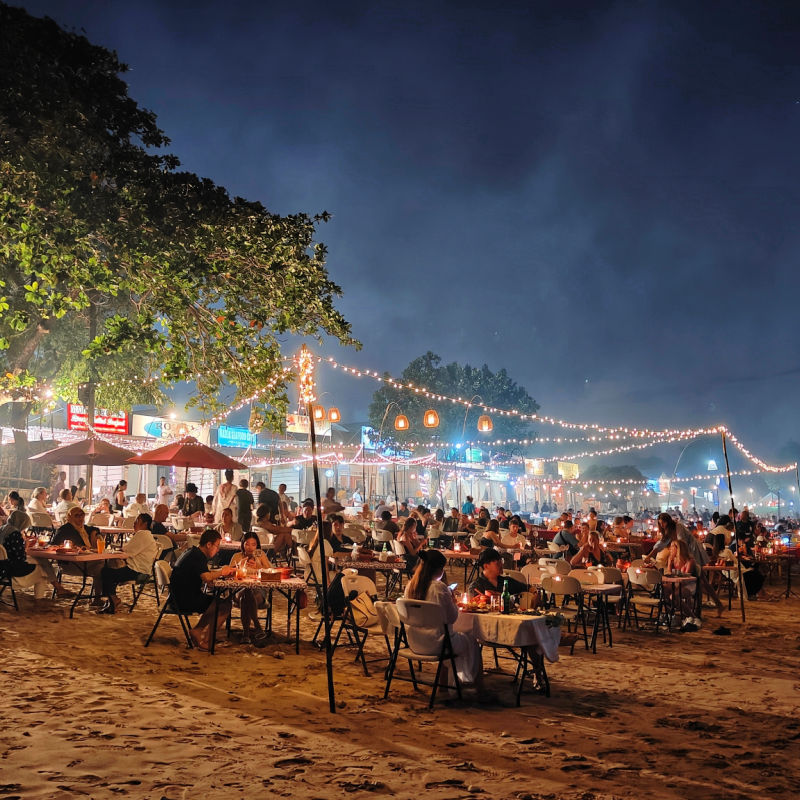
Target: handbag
x=362 y=607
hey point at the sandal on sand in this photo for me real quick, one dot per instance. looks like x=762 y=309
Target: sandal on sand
x=196 y=642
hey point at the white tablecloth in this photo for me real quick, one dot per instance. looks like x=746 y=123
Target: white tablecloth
x=512 y=630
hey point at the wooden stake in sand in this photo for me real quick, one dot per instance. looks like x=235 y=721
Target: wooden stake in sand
x=740 y=584
x=306 y=383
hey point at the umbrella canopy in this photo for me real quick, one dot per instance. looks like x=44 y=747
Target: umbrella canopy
x=187 y=452
x=87 y=451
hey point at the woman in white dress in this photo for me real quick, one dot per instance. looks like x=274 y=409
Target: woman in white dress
x=426 y=584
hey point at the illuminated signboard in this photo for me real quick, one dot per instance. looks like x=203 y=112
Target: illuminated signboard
x=232 y=436
x=534 y=466
x=162 y=428
x=568 y=471
x=299 y=423
x=104 y=422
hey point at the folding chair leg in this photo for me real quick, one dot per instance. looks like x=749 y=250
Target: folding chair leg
x=158 y=622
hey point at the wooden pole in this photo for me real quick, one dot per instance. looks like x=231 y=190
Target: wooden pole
x=735 y=531
x=323 y=560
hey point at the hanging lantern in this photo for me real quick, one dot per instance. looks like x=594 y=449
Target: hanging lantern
x=319 y=413
x=401 y=422
x=485 y=423
x=430 y=419
x=334 y=415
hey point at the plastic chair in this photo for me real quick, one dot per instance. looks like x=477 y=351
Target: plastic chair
x=163 y=573
x=126 y=523
x=533 y=574
x=144 y=578
x=516 y=575
x=41 y=522
x=99 y=519
x=644 y=590
x=389 y=620
x=562 y=590
x=6 y=579
x=380 y=535
x=556 y=566
x=353 y=585
x=420 y=614
x=584 y=577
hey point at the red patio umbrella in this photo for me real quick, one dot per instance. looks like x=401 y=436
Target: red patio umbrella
x=187 y=452
x=89 y=451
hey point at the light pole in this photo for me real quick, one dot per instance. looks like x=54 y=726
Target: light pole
x=399 y=425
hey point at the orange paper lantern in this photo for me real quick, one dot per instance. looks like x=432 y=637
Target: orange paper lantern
x=401 y=422
x=430 y=419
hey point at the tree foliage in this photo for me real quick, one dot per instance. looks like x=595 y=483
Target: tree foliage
x=182 y=280
x=496 y=389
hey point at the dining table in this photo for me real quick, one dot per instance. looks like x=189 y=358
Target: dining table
x=80 y=557
x=466 y=558
x=291 y=588
x=391 y=570
x=602 y=592
x=528 y=636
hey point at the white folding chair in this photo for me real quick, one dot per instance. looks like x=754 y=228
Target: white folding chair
x=356 y=588
x=163 y=573
x=423 y=617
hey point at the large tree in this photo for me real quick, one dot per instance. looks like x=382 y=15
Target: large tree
x=496 y=389
x=115 y=264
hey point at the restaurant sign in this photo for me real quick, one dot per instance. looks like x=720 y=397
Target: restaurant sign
x=299 y=423
x=568 y=471
x=534 y=467
x=104 y=421
x=163 y=428
x=235 y=436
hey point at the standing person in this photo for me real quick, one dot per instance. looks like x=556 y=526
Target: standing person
x=224 y=497
x=283 y=500
x=244 y=505
x=468 y=507
x=141 y=551
x=58 y=487
x=357 y=499
x=269 y=498
x=79 y=495
x=120 y=498
x=163 y=492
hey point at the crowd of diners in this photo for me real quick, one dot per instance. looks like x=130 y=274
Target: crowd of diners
x=244 y=515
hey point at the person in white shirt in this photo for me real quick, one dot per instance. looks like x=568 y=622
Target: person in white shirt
x=163 y=492
x=330 y=504
x=225 y=497
x=138 y=506
x=38 y=501
x=357 y=499
x=141 y=551
x=65 y=504
x=514 y=538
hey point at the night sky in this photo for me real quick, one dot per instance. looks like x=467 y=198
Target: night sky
x=601 y=197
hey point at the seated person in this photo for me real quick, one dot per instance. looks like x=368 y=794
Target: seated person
x=565 y=537
x=250 y=599
x=281 y=534
x=340 y=541
x=138 y=506
x=491 y=536
x=229 y=530
x=177 y=506
x=679 y=561
x=80 y=535
x=304 y=520
x=451 y=523
x=387 y=523
x=411 y=541
x=103 y=507
x=427 y=584
x=189 y=576
x=160 y=514
x=38 y=501
x=193 y=506
x=491 y=578
x=64 y=505
x=25 y=571
x=141 y=551
x=591 y=553
x=514 y=538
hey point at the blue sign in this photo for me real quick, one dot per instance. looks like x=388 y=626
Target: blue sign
x=230 y=436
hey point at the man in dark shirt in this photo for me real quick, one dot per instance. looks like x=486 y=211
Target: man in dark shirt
x=190 y=574
x=244 y=505
x=566 y=538
x=306 y=518
x=388 y=524
x=269 y=498
x=491 y=580
x=451 y=522
x=192 y=504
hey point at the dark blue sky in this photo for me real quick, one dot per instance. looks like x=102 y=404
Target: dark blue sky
x=601 y=197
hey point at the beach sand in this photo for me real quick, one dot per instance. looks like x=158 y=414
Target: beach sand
x=88 y=712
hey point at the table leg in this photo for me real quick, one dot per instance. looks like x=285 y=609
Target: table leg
x=215 y=606
x=596 y=627
x=297 y=621
x=84 y=575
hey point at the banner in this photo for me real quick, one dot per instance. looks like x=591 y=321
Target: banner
x=233 y=436
x=534 y=467
x=568 y=471
x=104 y=422
x=163 y=428
x=299 y=423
